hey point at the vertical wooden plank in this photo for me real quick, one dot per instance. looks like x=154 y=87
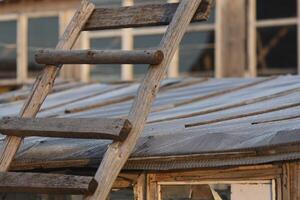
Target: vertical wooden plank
x=252 y=56
x=118 y=152
x=22 y=51
x=298 y=27
x=291 y=181
x=285 y=182
x=85 y=70
x=44 y=83
x=127 y=44
x=140 y=188
x=230 y=38
x=173 y=70
x=279 y=189
x=294 y=177
x=152 y=187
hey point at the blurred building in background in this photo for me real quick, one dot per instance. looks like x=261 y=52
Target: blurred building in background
x=241 y=38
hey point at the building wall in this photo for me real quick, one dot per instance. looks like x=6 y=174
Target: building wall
x=238 y=40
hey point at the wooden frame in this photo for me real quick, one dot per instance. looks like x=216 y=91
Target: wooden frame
x=83 y=73
x=284 y=177
x=253 y=24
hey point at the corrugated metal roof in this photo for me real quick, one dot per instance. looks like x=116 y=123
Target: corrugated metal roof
x=194 y=123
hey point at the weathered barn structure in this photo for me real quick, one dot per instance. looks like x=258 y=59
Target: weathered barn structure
x=207 y=139
x=204 y=138
x=241 y=38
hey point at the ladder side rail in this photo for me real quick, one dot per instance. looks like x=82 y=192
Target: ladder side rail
x=44 y=83
x=118 y=152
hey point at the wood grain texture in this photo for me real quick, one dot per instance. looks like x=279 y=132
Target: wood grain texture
x=46 y=183
x=85 y=128
x=118 y=153
x=56 y=57
x=44 y=83
x=140 y=16
x=291 y=181
x=230 y=38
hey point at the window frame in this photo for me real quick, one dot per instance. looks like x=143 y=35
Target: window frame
x=254 y=24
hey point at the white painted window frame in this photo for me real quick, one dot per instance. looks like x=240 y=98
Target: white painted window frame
x=254 y=24
x=166 y=183
x=22 y=20
x=127 y=40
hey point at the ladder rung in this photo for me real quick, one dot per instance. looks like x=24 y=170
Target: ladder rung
x=56 y=57
x=85 y=128
x=46 y=183
x=140 y=16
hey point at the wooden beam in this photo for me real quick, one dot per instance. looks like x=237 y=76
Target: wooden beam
x=112 y=129
x=291 y=181
x=45 y=81
x=57 y=57
x=298 y=35
x=140 y=16
x=252 y=37
x=22 y=51
x=140 y=188
x=118 y=152
x=46 y=183
x=230 y=38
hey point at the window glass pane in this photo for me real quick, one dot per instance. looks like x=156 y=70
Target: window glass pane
x=122 y=194
x=217 y=191
x=144 y=42
x=8 y=51
x=42 y=33
x=197 y=53
x=140 y=2
x=107 y=2
x=106 y=72
x=277 y=50
x=267 y=9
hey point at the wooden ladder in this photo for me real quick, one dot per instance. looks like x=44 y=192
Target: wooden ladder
x=123 y=132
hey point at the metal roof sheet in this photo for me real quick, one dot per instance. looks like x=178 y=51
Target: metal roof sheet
x=209 y=122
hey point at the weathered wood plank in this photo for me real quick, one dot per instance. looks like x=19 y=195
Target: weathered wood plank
x=46 y=183
x=118 y=153
x=231 y=37
x=85 y=128
x=140 y=16
x=56 y=57
x=45 y=81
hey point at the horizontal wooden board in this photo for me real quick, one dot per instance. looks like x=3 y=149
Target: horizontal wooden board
x=57 y=57
x=140 y=16
x=114 y=129
x=12 y=182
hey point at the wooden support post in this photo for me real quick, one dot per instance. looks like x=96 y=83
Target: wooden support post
x=85 y=70
x=291 y=181
x=22 y=51
x=152 y=187
x=44 y=82
x=173 y=70
x=127 y=44
x=252 y=56
x=298 y=27
x=230 y=38
x=140 y=188
x=118 y=152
